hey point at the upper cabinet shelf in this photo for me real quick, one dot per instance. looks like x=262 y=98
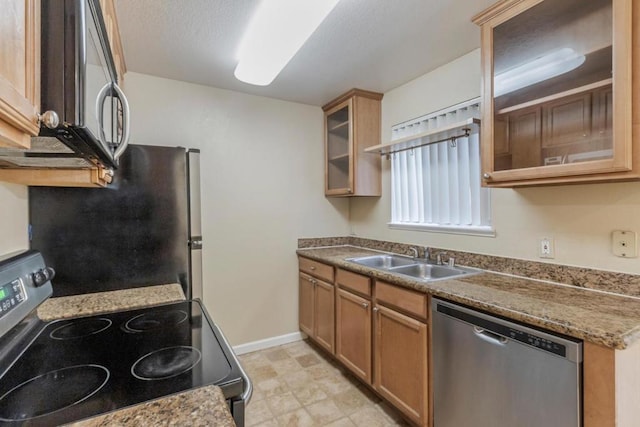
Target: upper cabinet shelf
x=560 y=92
x=352 y=124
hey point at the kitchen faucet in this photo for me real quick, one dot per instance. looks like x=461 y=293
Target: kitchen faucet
x=451 y=261
x=414 y=251
x=427 y=253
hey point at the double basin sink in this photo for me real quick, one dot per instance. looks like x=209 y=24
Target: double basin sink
x=420 y=269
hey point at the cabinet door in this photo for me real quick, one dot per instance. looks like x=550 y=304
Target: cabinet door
x=524 y=138
x=324 y=315
x=550 y=55
x=353 y=333
x=567 y=121
x=306 y=304
x=19 y=72
x=339 y=149
x=401 y=364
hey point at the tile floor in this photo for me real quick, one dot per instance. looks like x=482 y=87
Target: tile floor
x=297 y=385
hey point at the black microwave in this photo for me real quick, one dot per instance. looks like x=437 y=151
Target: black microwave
x=80 y=84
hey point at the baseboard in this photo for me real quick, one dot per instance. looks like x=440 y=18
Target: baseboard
x=268 y=342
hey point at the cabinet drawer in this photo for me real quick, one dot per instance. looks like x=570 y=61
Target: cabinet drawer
x=410 y=301
x=315 y=268
x=352 y=281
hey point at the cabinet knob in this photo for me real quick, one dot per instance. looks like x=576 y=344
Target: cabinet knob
x=375 y=309
x=486 y=175
x=349 y=190
x=312 y=268
x=365 y=305
x=49 y=119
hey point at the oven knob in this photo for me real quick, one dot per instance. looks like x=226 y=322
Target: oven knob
x=42 y=276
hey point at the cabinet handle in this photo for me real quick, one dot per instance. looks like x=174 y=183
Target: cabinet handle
x=365 y=305
x=49 y=119
x=486 y=175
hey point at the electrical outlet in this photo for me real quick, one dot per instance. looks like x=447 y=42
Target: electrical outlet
x=545 y=248
x=624 y=243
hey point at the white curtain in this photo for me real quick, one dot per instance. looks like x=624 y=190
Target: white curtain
x=439 y=184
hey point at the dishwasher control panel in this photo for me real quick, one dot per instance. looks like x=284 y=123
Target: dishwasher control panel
x=524 y=337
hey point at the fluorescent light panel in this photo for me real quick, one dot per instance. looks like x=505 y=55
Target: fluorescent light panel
x=550 y=65
x=276 y=32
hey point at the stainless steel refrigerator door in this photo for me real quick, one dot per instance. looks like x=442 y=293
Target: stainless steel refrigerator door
x=195 y=224
x=485 y=380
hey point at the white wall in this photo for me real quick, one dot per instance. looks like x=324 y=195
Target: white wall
x=579 y=217
x=262 y=189
x=14 y=218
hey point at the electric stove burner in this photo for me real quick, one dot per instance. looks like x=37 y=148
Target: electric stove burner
x=52 y=392
x=166 y=363
x=80 y=328
x=155 y=320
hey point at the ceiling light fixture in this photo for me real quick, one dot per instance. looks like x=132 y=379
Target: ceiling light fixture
x=276 y=32
x=544 y=67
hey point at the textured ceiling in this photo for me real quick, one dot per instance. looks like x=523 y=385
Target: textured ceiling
x=369 y=44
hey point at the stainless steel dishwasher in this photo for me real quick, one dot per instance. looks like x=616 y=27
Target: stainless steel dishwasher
x=489 y=372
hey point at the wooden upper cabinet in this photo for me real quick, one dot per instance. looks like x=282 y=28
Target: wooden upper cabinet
x=352 y=123
x=561 y=91
x=113 y=32
x=19 y=72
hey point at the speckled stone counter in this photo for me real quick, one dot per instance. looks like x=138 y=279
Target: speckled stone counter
x=602 y=318
x=200 y=407
x=104 y=302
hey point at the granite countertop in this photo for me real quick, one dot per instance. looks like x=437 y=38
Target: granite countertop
x=104 y=302
x=601 y=318
x=203 y=406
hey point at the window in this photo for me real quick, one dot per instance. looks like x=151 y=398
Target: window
x=435 y=173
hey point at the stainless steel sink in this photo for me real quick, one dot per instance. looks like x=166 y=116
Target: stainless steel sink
x=417 y=268
x=432 y=272
x=383 y=261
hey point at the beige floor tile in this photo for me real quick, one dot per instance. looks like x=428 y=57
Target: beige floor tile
x=299 y=348
x=257 y=413
x=297 y=378
x=342 y=422
x=351 y=400
x=286 y=366
x=308 y=360
x=273 y=387
x=299 y=385
x=324 y=412
x=282 y=403
x=299 y=418
x=276 y=355
x=262 y=373
x=370 y=417
x=309 y=393
x=334 y=384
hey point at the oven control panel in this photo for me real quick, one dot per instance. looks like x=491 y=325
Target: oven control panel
x=25 y=282
x=11 y=295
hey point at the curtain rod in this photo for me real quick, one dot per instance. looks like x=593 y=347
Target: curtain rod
x=453 y=139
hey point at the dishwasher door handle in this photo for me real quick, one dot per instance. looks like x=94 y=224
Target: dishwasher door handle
x=490 y=337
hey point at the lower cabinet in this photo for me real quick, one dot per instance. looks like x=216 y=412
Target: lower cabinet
x=401 y=363
x=381 y=333
x=353 y=333
x=316 y=310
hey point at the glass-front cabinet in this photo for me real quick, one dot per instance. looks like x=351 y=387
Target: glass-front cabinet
x=352 y=123
x=557 y=91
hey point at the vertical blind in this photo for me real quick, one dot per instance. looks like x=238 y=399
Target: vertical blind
x=439 y=184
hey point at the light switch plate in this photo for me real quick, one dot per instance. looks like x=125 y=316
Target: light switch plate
x=624 y=243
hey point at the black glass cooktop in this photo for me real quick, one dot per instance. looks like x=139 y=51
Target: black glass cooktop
x=86 y=366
